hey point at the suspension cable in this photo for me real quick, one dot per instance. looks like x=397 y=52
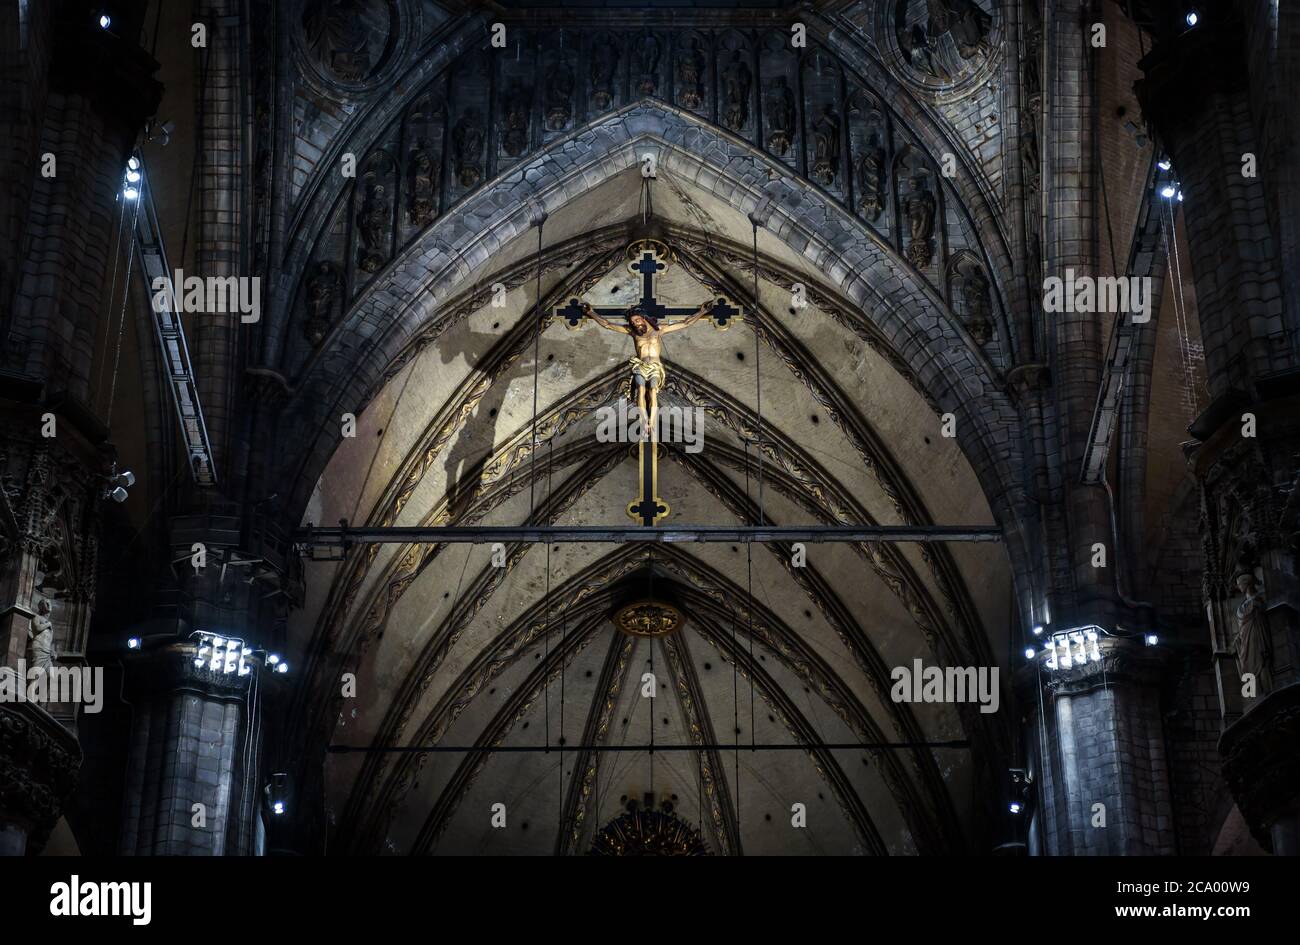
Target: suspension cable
x=537 y=341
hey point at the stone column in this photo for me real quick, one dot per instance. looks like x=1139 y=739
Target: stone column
x=195 y=752
x=1099 y=740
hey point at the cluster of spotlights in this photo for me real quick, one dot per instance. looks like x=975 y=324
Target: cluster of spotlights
x=131 y=180
x=230 y=655
x=1068 y=648
x=1076 y=647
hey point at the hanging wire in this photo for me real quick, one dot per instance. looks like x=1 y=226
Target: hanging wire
x=121 y=325
x=758 y=377
x=564 y=636
x=546 y=602
x=654 y=682
x=537 y=342
x=112 y=290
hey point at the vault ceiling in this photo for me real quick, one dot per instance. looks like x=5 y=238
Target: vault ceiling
x=449 y=649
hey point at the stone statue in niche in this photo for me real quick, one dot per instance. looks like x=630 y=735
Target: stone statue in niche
x=422 y=186
x=323 y=288
x=41 y=636
x=690 y=75
x=737 y=80
x=559 y=96
x=467 y=145
x=919 y=208
x=826 y=146
x=1253 y=643
x=871 y=174
x=604 y=66
x=373 y=224
x=778 y=113
x=514 y=136
x=979 y=304
x=338 y=36
x=647 y=57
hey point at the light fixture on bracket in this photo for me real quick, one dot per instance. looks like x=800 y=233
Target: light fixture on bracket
x=277 y=794
x=1020 y=791
x=117 y=483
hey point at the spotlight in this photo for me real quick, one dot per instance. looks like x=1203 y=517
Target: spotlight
x=133 y=643
x=125 y=478
x=133 y=163
x=132 y=177
x=1014 y=807
x=118 y=495
x=1029 y=652
x=1168 y=191
x=272 y=659
x=198 y=663
x=1165 y=164
x=1192 y=18
x=1180 y=196
x=1152 y=639
x=282 y=668
x=105 y=21
x=1038 y=631
x=130 y=193
x=277 y=793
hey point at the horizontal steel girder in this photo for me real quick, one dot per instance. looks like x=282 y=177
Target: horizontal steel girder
x=618 y=534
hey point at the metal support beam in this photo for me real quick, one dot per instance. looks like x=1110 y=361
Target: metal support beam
x=310 y=538
x=171 y=336
x=1142 y=260
x=650 y=749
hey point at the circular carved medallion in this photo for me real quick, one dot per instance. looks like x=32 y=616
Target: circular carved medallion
x=648 y=618
x=349 y=40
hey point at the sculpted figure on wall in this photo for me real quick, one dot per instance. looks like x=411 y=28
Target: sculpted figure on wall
x=323 y=288
x=737 y=81
x=467 y=142
x=919 y=208
x=690 y=75
x=422 y=186
x=372 y=224
x=778 y=112
x=871 y=177
x=1252 y=642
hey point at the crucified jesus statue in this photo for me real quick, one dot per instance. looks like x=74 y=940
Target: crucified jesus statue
x=647 y=368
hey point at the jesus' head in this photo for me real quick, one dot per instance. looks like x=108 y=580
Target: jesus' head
x=640 y=323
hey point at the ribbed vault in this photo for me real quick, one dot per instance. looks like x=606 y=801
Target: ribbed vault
x=449 y=647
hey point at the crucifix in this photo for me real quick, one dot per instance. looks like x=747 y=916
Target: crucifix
x=647 y=322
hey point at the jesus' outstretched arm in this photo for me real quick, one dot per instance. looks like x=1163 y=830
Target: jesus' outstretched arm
x=689 y=320
x=602 y=321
